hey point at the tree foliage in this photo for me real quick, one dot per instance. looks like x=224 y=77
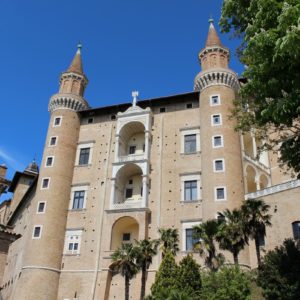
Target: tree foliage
x=229 y=283
x=279 y=274
x=165 y=278
x=169 y=238
x=270 y=34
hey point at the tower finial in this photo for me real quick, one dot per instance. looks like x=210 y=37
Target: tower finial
x=134 y=96
x=210 y=20
x=79 y=47
x=212 y=37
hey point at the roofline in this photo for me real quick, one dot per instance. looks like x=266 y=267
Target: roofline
x=143 y=103
x=16 y=178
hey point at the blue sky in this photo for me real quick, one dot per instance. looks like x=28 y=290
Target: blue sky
x=149 y=46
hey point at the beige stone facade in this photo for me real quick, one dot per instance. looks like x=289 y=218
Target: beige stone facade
x=111 y=175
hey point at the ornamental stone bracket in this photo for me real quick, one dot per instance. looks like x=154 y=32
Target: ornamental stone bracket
x=68 y=101
x=216 y=77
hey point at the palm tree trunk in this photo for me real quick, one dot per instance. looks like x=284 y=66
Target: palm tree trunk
x=126 y=287
x=235 y=258
x=143 y=282
x=257 y=251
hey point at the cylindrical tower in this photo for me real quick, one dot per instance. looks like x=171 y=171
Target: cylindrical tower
x=222 y=175
x=42 y=262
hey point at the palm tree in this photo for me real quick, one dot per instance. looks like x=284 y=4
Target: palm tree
x=169 y=239
x=256 y=218
x=206 y=233
x=231 y=235
x=124 y=263
x=145 y=250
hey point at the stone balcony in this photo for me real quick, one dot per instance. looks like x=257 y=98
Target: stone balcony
x=273 y=189
x=256 y=163
x=128 y=204
x=131 y=158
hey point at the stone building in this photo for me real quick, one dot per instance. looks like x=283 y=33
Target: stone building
x=110 y=175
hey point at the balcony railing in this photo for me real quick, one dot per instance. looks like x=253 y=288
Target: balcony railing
x=131 y=157
x=256 y=163
x=273 y=189
x=128 y=204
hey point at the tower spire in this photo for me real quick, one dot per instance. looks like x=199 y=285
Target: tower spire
x=76 y=64
x=212 y=37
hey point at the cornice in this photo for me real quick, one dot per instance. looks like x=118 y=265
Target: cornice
x=67 y=101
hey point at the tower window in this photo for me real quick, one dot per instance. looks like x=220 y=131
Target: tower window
x=90 y=120
x=49 y=161
x=84 y=156
x=45 y=183
x=216 y=119
x=37 y=232
x=215 y=100
x=128 y=193
x=57 y=121
x=78 y=200
x=190 y=143
x=217 y=141
x=132 y=149
x=41 y=207
x=189 y=105
x=162 y=109
x=190 y=190
x=220 y=193
x=53 y=141
x=296 y=230
x=219 y=165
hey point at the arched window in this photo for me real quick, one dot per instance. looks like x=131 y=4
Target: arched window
x=296 y=229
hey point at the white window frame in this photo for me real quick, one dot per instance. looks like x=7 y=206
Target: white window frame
x=213 y=141
x=54 y=136
x=212 y=119
x=41 y=229
x=223 y=165
x=49 y=166
x=225 y=193
x=184 y=226
x=42 y=181
x=58 y=125
x=81 y=146
x=190 y=177
x=37 y=208
x=77 y=189
x=72 y=233
x=190 y=131
x=211 y=101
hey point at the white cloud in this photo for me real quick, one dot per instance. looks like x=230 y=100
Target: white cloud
x=10 y=161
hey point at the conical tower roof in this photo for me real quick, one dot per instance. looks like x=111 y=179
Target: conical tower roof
x=212 y=37
x=76 y=64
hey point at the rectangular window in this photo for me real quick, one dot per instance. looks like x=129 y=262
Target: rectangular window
x=78 y=200
x=296 y=230
x=190 y=190
x=49 y=161
x=190 y=143
x=190 y=241
x=53 y=141
x=72 y=242
x=220 y=193
x=126 y=237
x=132 y=149
x=45 y=183
x=216 y=119
x=84 y=156
x=214 y=100
x=189 y=105
x=37 y=232
x=129 y=193
x=57 y=121
x=261 y=240
x=162 y=109
x=217 y=141
x=90 y=120
x=218 y=165
x=41 y=207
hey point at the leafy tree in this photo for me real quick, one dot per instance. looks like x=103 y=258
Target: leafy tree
x=270 y=35
x=166 y=275
x=189 y=277
x=169 y=239
x=255 y=219
x=279 y=274
x=124 y=263
x=206 y=233
x=229 y=283
x=231 y=235
x=145 y=250
x=170 y=294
